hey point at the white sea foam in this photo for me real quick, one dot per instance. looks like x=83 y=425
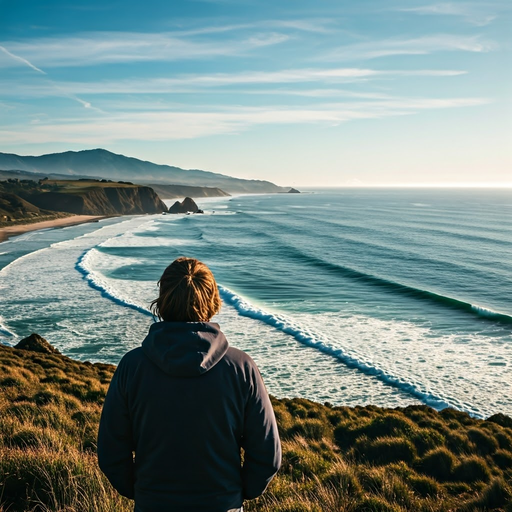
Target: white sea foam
x=85 y=265
x=311 y=339
x=4 y=331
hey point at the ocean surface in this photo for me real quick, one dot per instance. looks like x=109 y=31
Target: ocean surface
x=355 y=296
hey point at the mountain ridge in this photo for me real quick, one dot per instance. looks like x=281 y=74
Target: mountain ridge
x=101 y=163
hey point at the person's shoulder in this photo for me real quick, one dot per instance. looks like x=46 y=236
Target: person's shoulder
x=236 y=355
x=239 y=357
x=131 y=358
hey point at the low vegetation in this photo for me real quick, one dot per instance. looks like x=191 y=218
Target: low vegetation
x=361 y=459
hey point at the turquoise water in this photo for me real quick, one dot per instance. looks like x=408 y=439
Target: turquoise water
x=388 y=297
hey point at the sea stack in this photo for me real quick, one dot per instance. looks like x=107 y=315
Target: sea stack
x=293 y=191
x=188 y=205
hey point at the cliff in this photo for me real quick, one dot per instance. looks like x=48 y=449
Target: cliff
x=87 y=197
x=351 y=459
x=104 y=164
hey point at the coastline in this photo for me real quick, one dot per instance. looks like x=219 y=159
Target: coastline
x=19 y=229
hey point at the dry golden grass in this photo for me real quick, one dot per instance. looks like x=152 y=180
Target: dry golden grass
x=334 y=458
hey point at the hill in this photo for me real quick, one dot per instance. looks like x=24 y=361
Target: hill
x=104 y=164
x=335 y=459
x=81 y=197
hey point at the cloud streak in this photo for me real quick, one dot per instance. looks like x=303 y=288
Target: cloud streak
x=199 y=84
x=411 y=46
x=128 y=47
x=21 y=60
x=471 y=13
x=175 y=125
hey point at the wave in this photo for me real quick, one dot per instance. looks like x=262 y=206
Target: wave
x=403 y=289
x=84 y=266
x=4 y=331
x=310 y=339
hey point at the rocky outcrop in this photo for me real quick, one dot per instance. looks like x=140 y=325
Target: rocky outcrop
x=36 y=343
x=188 y=205
x=293 y=191
x=112 y=200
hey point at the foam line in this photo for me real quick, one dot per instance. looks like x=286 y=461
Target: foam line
x=4 y=331
x=245 y=308
x=83 y=265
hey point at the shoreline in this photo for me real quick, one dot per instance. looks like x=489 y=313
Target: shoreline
x=19 y=229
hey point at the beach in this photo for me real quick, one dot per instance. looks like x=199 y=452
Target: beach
x=19 y=229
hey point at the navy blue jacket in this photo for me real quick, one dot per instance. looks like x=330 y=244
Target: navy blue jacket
x=176 y=415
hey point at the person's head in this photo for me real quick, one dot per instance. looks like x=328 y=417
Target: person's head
x=188 y=293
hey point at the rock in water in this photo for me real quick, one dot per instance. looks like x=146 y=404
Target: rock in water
x=293 y=191
x=186 y=206
x=36 y=343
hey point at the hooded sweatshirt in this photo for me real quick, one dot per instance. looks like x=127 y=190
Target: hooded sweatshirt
x=177 y=413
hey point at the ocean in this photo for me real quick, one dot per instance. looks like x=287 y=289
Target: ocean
x=388 y=297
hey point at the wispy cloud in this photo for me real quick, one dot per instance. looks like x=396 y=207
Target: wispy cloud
x=57 y=90
x=411 y=46
x=191 y=84
x=319 y=25
x=21 y=60
x=169 y=125
x=128 y=47
x=476 y=14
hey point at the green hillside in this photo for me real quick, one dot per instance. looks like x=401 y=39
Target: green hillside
x=360 y=459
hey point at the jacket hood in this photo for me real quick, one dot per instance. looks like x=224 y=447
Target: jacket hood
x=185 y=349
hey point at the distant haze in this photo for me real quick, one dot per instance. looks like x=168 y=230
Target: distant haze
x=297 y=93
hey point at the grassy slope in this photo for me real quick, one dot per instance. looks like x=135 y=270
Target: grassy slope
x=334 y=458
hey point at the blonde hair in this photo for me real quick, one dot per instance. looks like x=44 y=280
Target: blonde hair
x=188 y=293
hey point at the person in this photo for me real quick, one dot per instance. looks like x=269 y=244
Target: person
x=181 y=407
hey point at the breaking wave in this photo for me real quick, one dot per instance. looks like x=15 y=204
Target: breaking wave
x=310 y=339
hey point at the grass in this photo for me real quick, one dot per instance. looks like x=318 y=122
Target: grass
x=343 y=459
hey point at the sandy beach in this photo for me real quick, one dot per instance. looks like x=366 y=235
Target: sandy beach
x=7 y=232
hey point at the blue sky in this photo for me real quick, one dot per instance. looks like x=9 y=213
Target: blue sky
x=303 y=93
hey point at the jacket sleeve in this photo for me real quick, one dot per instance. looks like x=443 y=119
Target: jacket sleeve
x=115 y=440
x=260 y=441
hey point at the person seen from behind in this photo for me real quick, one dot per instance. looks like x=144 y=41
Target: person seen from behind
x=181 y=407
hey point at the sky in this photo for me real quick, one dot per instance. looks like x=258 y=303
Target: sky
x=301 y=93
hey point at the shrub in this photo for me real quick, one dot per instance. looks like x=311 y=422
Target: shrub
x=299 y=462
x=426 y=439
x=458 y=442
x=472 y=469
x=503 y=459
x=504 y=441
x=438 y=464
x=458 y=416
x=385 y=450
x=496 y=495
x=389 y=425
x=343 y=478
x=311 y=429
x=374 y=505
x=485 y=444
x=425 y=486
